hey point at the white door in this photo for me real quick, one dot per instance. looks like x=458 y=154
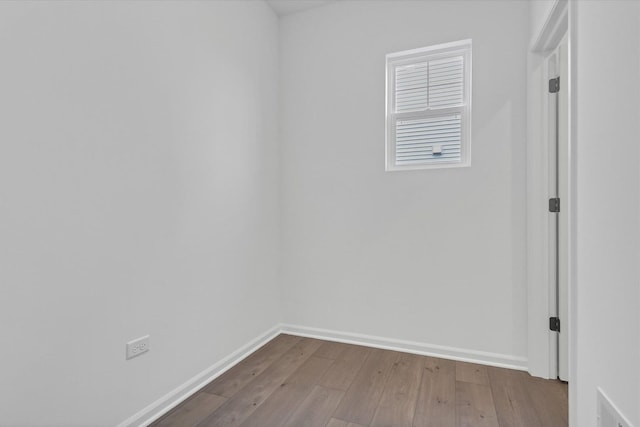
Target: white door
x=558 y=63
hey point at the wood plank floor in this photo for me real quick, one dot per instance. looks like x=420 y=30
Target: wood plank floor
x=303 y=382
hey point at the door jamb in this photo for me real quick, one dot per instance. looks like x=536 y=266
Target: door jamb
x=541 y=353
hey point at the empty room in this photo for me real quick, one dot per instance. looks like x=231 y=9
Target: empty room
x=331 y=213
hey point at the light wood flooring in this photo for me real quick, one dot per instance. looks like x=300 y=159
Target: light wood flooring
x=302 y=382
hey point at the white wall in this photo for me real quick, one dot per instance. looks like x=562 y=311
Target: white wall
x=138 y=195
x=434 y=256
x=606 y=37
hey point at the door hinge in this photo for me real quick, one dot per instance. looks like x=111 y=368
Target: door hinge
x=554 y=204
x=554 y=85
x=554 y=324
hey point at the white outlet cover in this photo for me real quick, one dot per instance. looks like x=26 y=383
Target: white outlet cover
x=137 y=347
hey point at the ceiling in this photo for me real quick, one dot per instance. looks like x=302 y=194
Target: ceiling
x=287 y=7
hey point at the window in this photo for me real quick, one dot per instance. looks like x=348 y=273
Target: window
x=429 y=107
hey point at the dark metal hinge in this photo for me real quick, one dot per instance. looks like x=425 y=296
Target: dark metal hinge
x=554 y=324
x=554 y=85
x=554 y=204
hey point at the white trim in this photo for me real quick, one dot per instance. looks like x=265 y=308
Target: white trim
x=573 y=219
x=541 y=351
x=430 y=49
x=172 y=399
x=424 y=349
x=553 y=29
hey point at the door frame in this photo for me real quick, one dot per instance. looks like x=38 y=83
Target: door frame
x=542 y=351
x=557 y=66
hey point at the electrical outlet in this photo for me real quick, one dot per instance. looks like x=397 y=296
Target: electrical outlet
x=137 y=347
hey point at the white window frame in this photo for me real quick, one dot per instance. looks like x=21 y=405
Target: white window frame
x=394 y=60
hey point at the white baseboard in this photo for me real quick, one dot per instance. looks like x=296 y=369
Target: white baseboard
x=172 y=399
x=463 y=355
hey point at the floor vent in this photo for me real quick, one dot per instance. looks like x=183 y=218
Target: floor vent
x=608 y=414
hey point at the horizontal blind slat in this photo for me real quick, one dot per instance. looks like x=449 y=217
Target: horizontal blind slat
x=416 y=138
x=446 y=82
x=411 y=87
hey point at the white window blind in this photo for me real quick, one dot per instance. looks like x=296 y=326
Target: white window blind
x=428 y=107
x=428 y=140
x=412 y=88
